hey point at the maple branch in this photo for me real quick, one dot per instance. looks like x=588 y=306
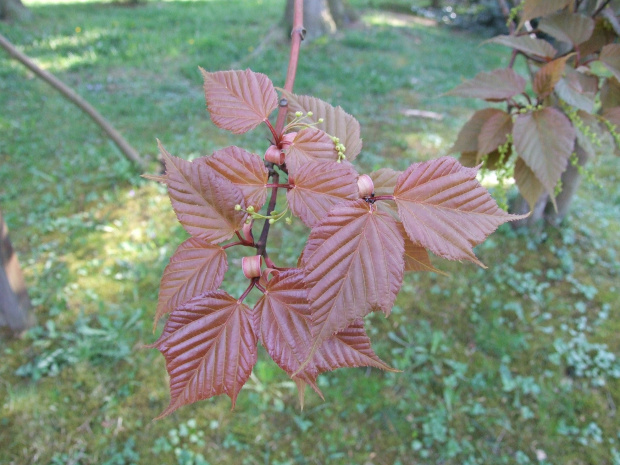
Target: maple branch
x=297 y=35
x=261 y=245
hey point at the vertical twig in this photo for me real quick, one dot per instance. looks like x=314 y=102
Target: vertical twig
x=297 y=35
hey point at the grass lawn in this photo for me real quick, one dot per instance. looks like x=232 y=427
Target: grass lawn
x=515 y=364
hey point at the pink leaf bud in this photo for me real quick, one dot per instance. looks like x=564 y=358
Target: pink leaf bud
x=287 y=139
x=274 y=155
x=251 y=266
x=247 y=233
x=365 y=185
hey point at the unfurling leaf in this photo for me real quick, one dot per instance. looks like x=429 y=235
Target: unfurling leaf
x=494 y=86
x=535 y=8
x=544 y=139
x=238 y=101
x=354 y=265
x=285 y=331
x=209 y=347
x=202 y=200
x=445 y=209
x=610 y=56
x=245 y=170
x=573 y=28
x=195 y=268
x=529 y=186
x=548 y=76
x=317 y=187
x=336 y=121
x=526 y=44
x=467 y=140
x=309 y=145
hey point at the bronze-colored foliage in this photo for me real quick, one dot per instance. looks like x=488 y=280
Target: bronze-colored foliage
x=336 y=121
x=210 y=349
x=354 y=264
x=195 y=267
x=238 y=101
x=285 y=331
x=317 y=187
x=563 y=39
x=245 y=170
x=309 y=144
x=545 y=139
x=445 y=209
x=309 y=318
x=201 y=199
x=494 y=86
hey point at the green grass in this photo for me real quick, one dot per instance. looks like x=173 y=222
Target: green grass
x=506 y=365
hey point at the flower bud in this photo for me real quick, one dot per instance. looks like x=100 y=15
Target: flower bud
x=365 y=185
x=251 y=266
x=274 y=155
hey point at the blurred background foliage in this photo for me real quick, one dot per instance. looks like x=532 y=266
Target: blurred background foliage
x=514 y=364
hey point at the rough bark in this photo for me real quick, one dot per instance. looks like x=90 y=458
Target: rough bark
x=322 y=17
x=11 y=10
x=14 y=301
x=73 y=97
x=342 y=12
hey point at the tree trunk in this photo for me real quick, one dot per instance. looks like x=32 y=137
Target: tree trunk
x=342 y=12
x=14 y=10
x=14 y=301
x=521 y=207
x=322 y=16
